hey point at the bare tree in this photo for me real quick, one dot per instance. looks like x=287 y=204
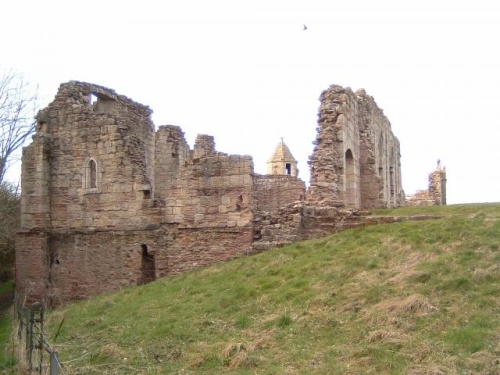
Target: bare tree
x=18 y=104
x=9 y=225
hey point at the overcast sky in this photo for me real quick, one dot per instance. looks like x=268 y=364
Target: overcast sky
x=247 y=73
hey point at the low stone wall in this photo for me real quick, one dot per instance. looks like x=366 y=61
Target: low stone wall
x=271 y=192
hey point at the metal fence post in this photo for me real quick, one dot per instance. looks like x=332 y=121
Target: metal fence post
x=54 y=362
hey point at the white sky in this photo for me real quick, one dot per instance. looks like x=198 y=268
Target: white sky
x=246 y=73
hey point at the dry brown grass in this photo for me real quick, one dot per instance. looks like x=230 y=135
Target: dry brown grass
x=415 y=304
x=388 y=337
x=113 y=351
x=484 y=360
x=431 y=370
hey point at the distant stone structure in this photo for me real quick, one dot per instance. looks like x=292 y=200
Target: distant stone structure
x=282 y=162
x=435 y=195
x=108 y=202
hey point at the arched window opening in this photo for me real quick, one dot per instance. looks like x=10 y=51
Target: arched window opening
x=90 y=176
x=350 y=179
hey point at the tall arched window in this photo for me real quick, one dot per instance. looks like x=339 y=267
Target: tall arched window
x=91 y=176
x=350 y=179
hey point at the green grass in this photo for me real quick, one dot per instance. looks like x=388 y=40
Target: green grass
x=409 y=297
x=6 y=359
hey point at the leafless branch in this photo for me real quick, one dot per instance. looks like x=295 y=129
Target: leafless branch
x=18 y=105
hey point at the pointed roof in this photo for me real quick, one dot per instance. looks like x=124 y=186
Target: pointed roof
x=282 y=153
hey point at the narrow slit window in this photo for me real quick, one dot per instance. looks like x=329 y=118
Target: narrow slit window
x=92 y=174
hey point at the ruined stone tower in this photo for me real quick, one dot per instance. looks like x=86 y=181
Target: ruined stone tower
x=437 y=185
x=435 y=195
x=282 y=162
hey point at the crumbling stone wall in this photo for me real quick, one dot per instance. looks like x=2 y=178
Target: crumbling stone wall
x=105 y=196
x=171 y=152
x=107 y=202
x=213 y=190
x=381 y=181
x=435 y=195
x=356 y=159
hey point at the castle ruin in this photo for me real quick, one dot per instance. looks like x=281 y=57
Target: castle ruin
x=109 y=202
x=435 y=195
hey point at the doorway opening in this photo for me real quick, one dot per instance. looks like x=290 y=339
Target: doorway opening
x=147 y=266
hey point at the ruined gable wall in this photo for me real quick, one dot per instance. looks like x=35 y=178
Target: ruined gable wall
x=115 y=132
x=356 y=159
x=380 y=157
x=338 y=130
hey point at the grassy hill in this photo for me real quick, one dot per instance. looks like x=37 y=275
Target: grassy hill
x=415 y=297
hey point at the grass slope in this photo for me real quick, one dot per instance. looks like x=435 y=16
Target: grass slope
x=416 y=297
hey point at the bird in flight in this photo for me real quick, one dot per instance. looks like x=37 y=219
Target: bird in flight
x=305 y=27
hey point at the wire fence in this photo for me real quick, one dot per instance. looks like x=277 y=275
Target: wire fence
x=38 y=354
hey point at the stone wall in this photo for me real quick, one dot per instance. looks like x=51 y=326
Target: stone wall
x=435 y=195
x=31 y=265
x=200 y=247
x=107 y=202
x=356 y=159
x=271 y=192
x=213 y=191
x=381 y=182
x=171 y=152
x=86 y=263
x=114 y=133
